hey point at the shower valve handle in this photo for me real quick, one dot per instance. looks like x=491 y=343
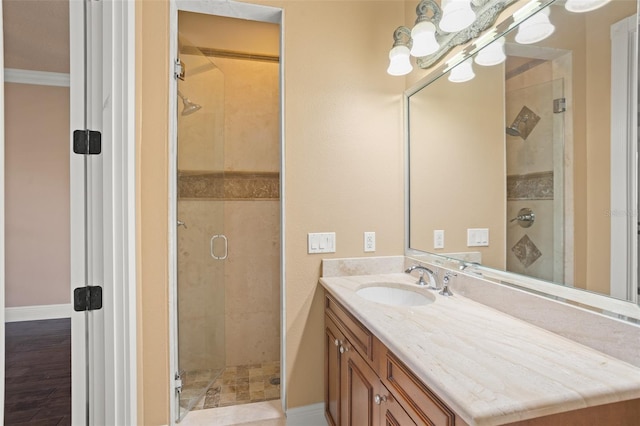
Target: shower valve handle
x=525 y=217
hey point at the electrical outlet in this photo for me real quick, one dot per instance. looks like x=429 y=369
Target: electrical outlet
x=438 y=239
x=369 y=241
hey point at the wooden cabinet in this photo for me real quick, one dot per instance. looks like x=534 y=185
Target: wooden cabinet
x=367 y=385
x=359 y=373
x=354 y=393
x=333 y=341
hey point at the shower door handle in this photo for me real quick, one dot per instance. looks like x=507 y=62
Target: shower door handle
x=226 y=247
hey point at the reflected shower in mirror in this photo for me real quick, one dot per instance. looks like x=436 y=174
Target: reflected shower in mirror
x=541 y=138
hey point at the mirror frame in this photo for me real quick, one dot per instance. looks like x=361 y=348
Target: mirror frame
x=607 y=305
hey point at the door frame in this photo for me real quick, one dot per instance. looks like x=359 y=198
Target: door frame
x=110 y=393
x=2 y=252
x=624 y=173
x=230 y=9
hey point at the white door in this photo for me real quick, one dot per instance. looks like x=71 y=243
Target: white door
x=102 y=212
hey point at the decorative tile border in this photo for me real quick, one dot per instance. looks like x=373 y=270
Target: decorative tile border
x=228 y=186
x=532 y=186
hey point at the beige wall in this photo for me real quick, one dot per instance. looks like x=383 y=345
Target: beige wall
x=36 y=37
x=37 y=195
x=591 y=127
x=598 y=158
x=457 y=148
x=343 y=163
x=152 y=101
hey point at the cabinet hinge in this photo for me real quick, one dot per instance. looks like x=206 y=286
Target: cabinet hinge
x=87 y=142
x=87 y=298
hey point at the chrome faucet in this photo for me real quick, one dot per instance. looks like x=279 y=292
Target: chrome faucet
x=421 y=270
x=445 y=283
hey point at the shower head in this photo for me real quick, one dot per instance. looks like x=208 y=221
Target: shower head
x=189 y=107
x=523 y=124
x=513 y=130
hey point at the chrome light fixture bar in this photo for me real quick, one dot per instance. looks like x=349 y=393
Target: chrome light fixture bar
x=437 y=30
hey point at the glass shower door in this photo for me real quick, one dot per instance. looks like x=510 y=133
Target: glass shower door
x=201 y=245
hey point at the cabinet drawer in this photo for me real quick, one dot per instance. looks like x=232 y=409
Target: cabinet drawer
x=419 y=400
x=357 y=334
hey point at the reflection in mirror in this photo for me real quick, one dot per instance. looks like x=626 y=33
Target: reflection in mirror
x=529 y=167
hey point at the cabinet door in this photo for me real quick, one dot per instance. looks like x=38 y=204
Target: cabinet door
x=359 y=386
x=392 y=414
x=333 y=341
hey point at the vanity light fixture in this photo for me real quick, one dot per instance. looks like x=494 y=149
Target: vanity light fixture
x=423 y=33
x=536 y=28
x=492 y=50
x=399 y=62
x=456 y=15
x=438 y=29
x=462 y=72
x=420 y=41
x=580 y=6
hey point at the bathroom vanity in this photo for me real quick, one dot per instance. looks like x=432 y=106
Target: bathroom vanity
x=454 y=361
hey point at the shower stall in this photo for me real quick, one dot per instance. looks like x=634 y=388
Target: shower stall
x=535 y=171
x=227 y=211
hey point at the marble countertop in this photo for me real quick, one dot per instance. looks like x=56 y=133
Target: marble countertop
x=489 y=367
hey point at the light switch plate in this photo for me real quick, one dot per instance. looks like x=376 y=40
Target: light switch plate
x=477 y=237
x=321 y=242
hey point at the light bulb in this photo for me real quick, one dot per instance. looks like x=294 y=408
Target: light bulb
x=462 y=72
x=456 y=15
x=580 y=6
x=424 y=39
x=536 y=28
x=492 y=54
x=399 y=62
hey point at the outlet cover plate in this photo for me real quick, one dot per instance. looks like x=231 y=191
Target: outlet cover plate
x=369 y=242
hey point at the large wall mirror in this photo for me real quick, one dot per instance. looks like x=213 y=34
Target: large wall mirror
x=526 y=164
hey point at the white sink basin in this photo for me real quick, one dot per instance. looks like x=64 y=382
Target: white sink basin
x=387 y=295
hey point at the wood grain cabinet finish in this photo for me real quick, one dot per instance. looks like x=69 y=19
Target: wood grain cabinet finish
x=355 y=394
x=367 y=385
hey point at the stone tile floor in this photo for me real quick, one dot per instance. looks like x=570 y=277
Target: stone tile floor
x=242 y=385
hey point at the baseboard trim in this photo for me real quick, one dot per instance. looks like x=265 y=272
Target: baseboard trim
x=39 y=78
x=309 y=415
x=34 y=313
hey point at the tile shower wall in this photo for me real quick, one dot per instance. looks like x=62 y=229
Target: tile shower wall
x=530 y=174
x=200 y=287
x=252 y=221
x=245 y=198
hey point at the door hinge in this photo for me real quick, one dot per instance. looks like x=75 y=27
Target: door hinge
x=178 y=69
x=88 y=142
x=87 y=298
x=177 y=383
x=559 y=105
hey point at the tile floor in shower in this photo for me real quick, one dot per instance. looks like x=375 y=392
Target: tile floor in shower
x=232 y=386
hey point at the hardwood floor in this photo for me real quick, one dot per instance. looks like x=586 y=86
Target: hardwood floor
x=38 y=373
